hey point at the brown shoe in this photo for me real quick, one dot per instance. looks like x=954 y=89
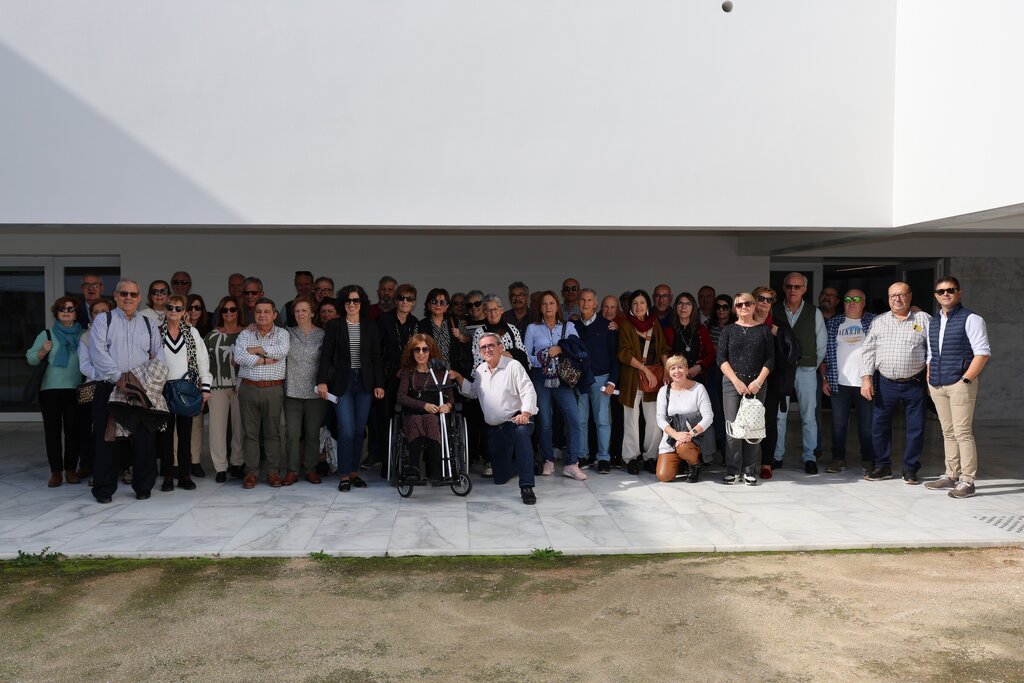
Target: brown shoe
x=249 y=482
x=274 y=479
x=55 y=480
x=71 y=477
x=290 y=479
x=312 y=477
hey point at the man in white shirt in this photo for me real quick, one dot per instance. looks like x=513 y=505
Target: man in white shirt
x=508 y=401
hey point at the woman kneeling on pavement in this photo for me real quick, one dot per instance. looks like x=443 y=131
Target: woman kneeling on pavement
x=684 y=414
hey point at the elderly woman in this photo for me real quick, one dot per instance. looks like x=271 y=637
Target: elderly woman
x=58 y=397
x=642 y=345
x=746 y=355
x=494 y=321
x=304 y=410
x=184 y=352
x=351 y=367
x=326 y=311
x=543 y=349
x=419 y=396
x=223 y=401
x=691 y=339
x=159 y=290
x=684 y=414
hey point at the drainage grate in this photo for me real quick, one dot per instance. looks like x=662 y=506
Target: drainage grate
x=1012 y=523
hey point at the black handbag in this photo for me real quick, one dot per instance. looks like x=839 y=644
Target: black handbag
x=35 y=382
x=183 y=395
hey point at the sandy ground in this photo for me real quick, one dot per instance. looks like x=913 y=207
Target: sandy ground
x=917 y=616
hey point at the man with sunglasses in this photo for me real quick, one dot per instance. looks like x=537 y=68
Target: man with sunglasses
x=808 y=326
x=509 y=402
x=181 y=284
x=840 y=379
x=571 y=299
x=252 y=292
x=92 y=291
x=958 y=350
x=896 y=348
x=119 y=342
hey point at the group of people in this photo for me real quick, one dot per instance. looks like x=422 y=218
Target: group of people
x=657 y=379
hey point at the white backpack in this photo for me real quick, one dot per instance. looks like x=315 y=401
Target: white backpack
x=749 y=422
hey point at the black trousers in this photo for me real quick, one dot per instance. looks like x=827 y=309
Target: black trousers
x=86 y=441
x=430 y=451
x=108 y=455
x=60 y=416
x=165 y=447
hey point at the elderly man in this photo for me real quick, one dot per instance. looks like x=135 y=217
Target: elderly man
x=808 y=326
x=958 y=350
x=386 y=287
x=520 y=314
x=897 y=349
x=706 y=302
x=236 y=283
x=828 y=302
x=840 y=379
x=119 y=342
x=663 y=305
x=323 y=288
x=181 y=283
x=303 y=287
x=571 y=299
x=261 y=356
x=602 y=344
x=92 y=291
x=509 y=401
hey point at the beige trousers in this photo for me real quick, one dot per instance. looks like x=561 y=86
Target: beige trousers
x=955 y=406
x=223 y=407
x=631 y=429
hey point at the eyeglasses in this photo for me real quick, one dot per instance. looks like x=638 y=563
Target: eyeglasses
x=438 y=302
x=353 y=302
x=128 y=295
x=195 y=307
x=722 y=307
x=744 y=304
x=685 y=302
x=66 y=309
x=181 y=283
x=520 y=295
x=92 y=285
x=406 y=297
x=793 y=286
x=947 y=290
x=176 y=309
x=852 y=299
x=762 y=299
x=159 y=291
x=476 y=304
x=323 y=290
x=228 y=309
x=572 y=289
x=898 y=296
x=421 y=349
x=488 y=347
x=495 y=309
x=251 y=292
x=662 y=296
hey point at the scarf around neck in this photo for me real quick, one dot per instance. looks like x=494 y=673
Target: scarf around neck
x=67 y=339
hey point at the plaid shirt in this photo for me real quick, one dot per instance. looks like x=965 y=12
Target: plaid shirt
x=831 y=354
x=896 y=348
x=276 y=343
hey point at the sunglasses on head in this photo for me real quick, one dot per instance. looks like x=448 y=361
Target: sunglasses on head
x=852 y=299
x=176 y=309
x=744 y=304
x=947 y=290
x=159 y=291
x=181 y=283
x=129 y=295
x=761 y=298
x=228 y=309
x=406 y=297
x=66 y=309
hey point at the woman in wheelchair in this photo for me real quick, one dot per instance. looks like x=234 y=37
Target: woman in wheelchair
x=418 y=396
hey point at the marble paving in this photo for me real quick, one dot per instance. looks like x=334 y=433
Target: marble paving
x=615 y=513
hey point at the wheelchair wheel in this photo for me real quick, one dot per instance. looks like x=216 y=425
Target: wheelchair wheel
x=462 y=485
x=405 y=490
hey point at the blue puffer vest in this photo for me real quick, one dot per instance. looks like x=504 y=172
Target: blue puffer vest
x=948 y=367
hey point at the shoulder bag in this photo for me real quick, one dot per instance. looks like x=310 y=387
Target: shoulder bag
x=749 y=422
x=183 y=395
x=656 y=368
x=35 y=382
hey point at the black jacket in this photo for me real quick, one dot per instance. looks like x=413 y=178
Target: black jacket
x=336 y=365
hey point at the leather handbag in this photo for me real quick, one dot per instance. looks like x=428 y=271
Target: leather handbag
x=569 y=370
x=657 y=369
x=86 y=392
x=35 y=382
x=183 y=395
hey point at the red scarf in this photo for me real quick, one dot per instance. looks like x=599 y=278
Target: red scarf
x=642 y=325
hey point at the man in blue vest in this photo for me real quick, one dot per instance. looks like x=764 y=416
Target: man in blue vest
x=808 y=326
x=958 y=349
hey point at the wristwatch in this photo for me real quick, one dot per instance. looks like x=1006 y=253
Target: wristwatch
x=964 y=380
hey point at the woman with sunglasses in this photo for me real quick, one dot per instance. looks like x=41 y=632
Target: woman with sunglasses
x=746 y=356
x=448 y=331
x=223 y=401
x=159 y=290
x=58 y=396
x=418 y=395
x=184 y=352
x=197 y=315
x=304 y=410
x=352 y=369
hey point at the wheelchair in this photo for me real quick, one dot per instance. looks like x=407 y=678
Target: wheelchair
x=454 y=455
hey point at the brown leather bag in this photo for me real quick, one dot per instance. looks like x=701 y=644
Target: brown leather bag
x=657 y=369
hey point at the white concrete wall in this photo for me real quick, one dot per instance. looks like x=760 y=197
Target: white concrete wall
x=959 y=107
x=452 y=112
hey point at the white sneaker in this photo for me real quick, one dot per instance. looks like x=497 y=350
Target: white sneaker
x=549 y=468
x=488 y=472
x=574 y=472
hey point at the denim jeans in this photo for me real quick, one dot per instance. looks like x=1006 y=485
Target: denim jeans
x=506 y=440
x=845 y=399
x=601 y=404
x=887 y=399
x=565 y=399
x=806 y=385
x=353 y=410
